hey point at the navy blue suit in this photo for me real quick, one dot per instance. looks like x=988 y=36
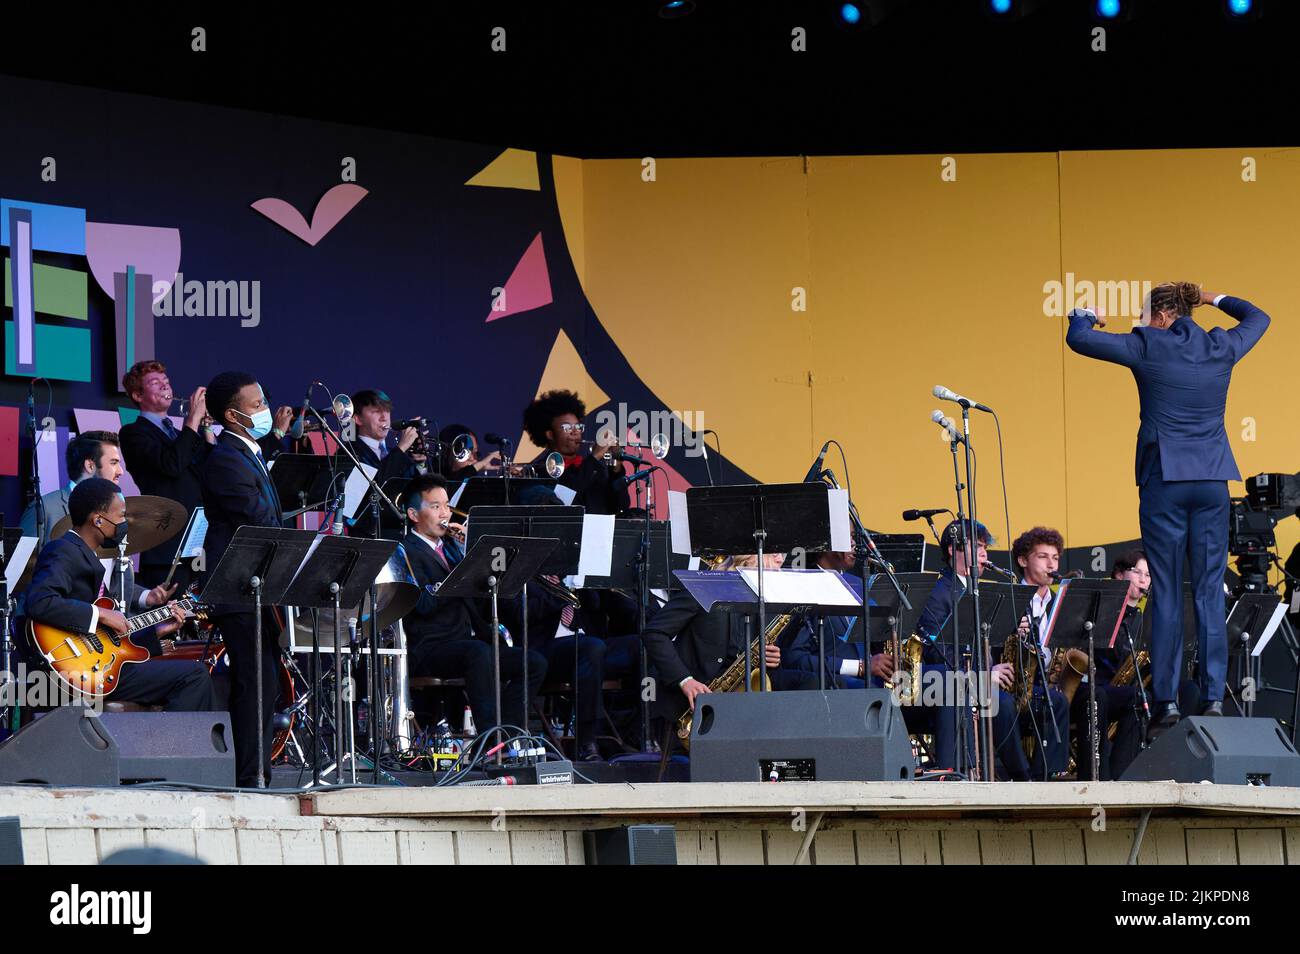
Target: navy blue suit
x=1182 y=464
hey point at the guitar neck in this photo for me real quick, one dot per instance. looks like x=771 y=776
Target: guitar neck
x=157 y=615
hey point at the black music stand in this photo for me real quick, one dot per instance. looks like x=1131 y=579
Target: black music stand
x=255 y=570
x=759 y=518
x=1085 y=615
x=561 y=524
x=727 y=590
x=626 y=560
x=9 y=537
x=336 y=573
x=309 y=480
x=361 y=523
x=904 y=551
x=498 y=567
x=1248 y=620
x=504 y=491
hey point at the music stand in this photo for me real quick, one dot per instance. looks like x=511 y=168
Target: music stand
x=10 y=544
x=759 y=518
x=1085 y=614
x=496 y=567
x=503 y=491
x=728 y=590
x=337 y=572
x=543 y=521
x=905 y=551
x=361 y=522
x=307 y=479
x=625 y=562
x=1248 y=621
x=255 y=570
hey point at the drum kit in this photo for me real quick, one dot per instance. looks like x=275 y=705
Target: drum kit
x=152 y=521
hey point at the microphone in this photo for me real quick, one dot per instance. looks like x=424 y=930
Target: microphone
x=628 y=458
x=336 y=527
x=628 y=479
x=947 y=424
x=1068 y=575
x=301 y=418
x=943 y=394
x=814 y=472
x=922 y=514
x=495 y=439
x=704 y=445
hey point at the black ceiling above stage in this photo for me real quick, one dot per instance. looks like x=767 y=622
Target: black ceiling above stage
x=612 y=78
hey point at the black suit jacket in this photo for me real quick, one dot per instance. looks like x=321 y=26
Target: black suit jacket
x=64 y=584
x=237 y=492
x=594 y=484
x=167 y=468
x=438 y=618
x=682 y=640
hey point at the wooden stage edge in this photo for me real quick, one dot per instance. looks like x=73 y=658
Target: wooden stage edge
x=716 y=823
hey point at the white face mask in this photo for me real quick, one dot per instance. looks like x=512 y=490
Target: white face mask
x=260 y=423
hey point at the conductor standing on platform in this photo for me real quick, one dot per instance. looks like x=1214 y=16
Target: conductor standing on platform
x=1183 y=465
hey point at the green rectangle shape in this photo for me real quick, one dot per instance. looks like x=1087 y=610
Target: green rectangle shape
x=56 y=291
x=62 y=352
x=128 y=415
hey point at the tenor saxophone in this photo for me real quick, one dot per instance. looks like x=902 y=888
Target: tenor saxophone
x=906 y=654
x=732 y=679
x=1022 y=678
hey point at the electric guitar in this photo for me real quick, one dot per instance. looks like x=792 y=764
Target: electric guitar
x=91 y=663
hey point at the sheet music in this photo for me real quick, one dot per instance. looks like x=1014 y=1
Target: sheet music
x=566 y=495
x=678 y=524
x=18 y=560
x=1274 y=622
x=357 y=488
x=810 y=587
x=597 y=553
x=196 y=533
x=841 y=538
x=455 y=498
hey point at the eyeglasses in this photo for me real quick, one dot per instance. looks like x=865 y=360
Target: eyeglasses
x=568 y=428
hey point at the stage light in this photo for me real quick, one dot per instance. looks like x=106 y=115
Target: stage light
x=1000 y=6
x=676 y=8
x=851 y=13
x=1008 y=11
x=1239 y=8
x=1109 y=9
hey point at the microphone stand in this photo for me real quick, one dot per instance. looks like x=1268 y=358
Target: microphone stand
x=970 y=549
x=38 y=499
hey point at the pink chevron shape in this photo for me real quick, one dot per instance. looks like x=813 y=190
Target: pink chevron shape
x=330 y=210
x=529 y=285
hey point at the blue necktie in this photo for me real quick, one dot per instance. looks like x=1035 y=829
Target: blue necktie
x=169 y=428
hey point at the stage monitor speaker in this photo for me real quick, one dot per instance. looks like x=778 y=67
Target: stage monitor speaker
x=632 y=845
x=11 y=841
x=1226 y=751
x=848 y=735
x=69 y=745
x=189 y=747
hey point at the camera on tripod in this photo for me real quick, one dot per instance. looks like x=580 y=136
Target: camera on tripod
x=1269 y=498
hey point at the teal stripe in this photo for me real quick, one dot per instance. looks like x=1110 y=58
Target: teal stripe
x=130 y=316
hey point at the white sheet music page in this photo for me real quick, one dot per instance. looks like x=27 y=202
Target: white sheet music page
x=802 y=587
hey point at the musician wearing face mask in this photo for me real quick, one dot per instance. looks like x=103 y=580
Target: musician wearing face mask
x=373 y=419
x=1128 y=706
x=1037 y=555
x=69 y=578
x=238 y=492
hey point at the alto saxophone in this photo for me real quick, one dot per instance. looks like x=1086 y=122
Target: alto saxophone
x=732 y=678
x=906 y=654
x=1022 y=678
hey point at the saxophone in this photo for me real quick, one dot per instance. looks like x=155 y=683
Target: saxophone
x=1022 y=680
x=906 y=654
x=1067 y=670
x=732 y=678
x=1127 y=672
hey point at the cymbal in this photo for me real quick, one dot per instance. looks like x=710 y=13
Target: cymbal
x=149 y=522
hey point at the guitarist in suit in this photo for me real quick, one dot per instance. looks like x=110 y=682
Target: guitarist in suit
x=69 y=577
x=450 y=637
x=237 y=492
x=164 y=461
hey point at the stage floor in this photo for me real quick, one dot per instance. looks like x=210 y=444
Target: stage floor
x=716 y=823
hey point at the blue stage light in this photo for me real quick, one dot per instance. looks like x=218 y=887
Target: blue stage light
x=1239 y=8
x=1000 y=6
x=851 y=14
x=1108 y=9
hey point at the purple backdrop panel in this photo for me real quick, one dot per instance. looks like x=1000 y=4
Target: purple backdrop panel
x=20 y=246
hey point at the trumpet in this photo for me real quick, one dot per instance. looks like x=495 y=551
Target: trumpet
x=456 y=534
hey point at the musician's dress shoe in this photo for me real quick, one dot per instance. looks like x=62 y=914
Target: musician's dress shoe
x=1164 y=719
x=1212 y=709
